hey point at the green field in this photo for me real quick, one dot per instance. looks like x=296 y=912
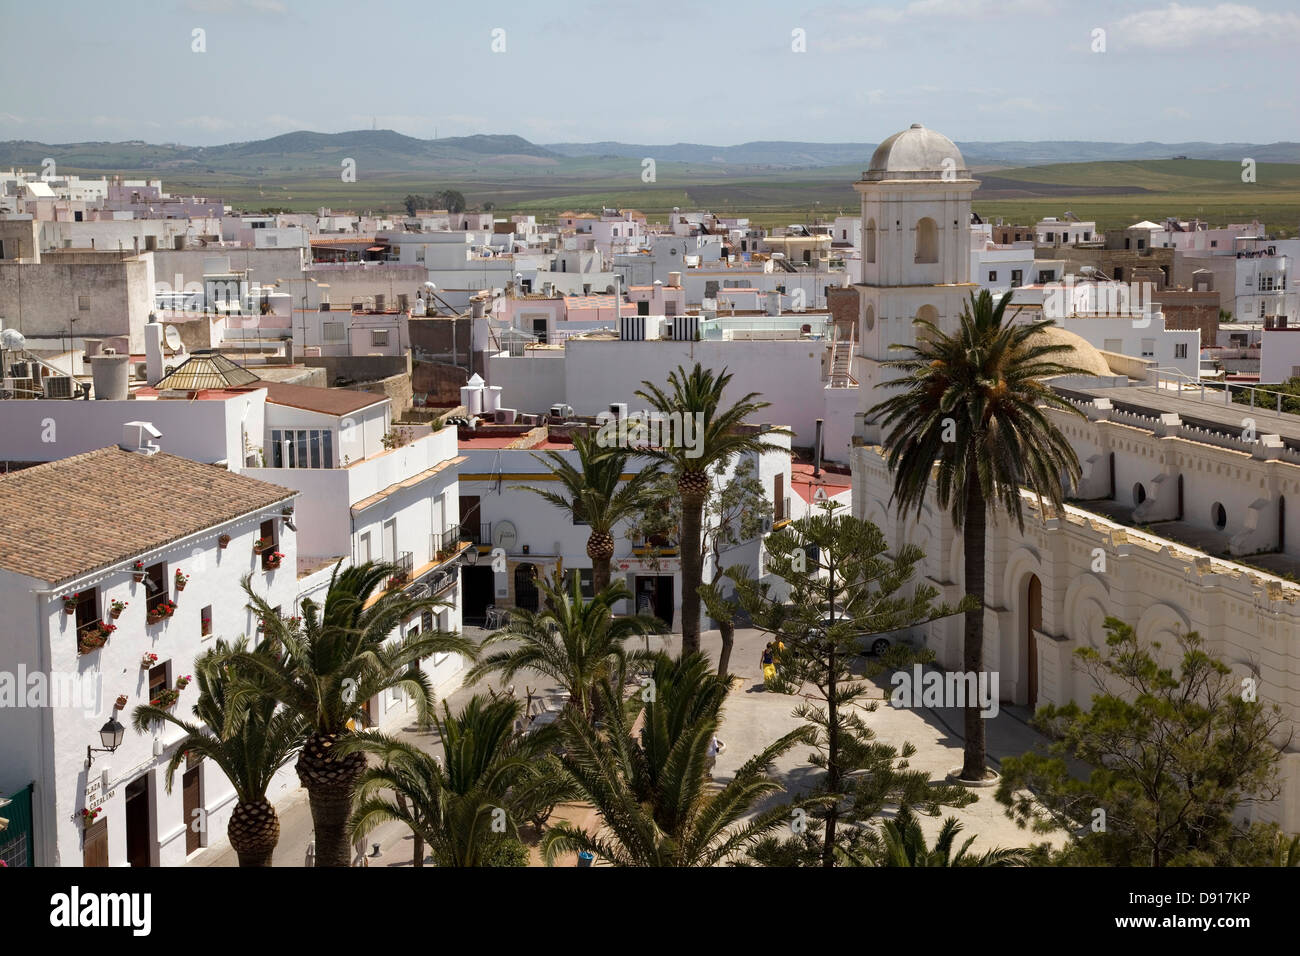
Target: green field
x=1114 y=194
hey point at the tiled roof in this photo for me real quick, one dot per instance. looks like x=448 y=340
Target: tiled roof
x=66 y=518
x=328 y=401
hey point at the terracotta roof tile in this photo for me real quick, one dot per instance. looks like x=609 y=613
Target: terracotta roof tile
x=328 y=401
x=66 y=518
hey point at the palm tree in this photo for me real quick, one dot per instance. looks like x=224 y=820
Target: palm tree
x=904 y=845
x=652 y=789
x=465 y=805
x=576 y=642
x=326 y=665
x=595 y=493
x=247 y=743
x=695 y=398
x=972 y=402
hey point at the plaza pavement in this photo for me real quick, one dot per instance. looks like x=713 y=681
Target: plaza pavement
x=753 y=717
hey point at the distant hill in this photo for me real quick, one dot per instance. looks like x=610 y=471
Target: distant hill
x=392 y=152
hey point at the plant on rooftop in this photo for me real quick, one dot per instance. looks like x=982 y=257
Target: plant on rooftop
x=972 y=403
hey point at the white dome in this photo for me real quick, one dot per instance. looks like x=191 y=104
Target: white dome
x=917 y=153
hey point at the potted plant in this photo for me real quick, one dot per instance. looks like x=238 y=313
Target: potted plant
x=90 y=640
x=160 y=612
x=137 y=571
x=121 y=702
x=116 y=608
x=70 y=603
x=223 y=541
x=183 y=682
x=106 y=629
x=181 y=580
x=166 y=697
x=148 y=662
x=273 y=559
x=263 y=544
x=88 y=816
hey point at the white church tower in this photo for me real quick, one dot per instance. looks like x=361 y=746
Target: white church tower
x=915 y=249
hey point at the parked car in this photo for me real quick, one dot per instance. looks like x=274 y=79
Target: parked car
x=877 y=643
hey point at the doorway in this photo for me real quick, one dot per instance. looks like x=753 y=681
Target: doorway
x=1033 y=622
x=137 y=822
x=526 y=587
x=654 y=595
x=191 y=808
x=478 y=584
x=94 y=848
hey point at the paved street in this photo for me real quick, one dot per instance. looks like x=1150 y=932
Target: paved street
x=752 y=719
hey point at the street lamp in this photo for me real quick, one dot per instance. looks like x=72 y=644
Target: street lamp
x=110 y=735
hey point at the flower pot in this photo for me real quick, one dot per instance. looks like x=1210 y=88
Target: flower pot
x=258 y=548
x=223 y=541
x=121 y=702
x=153 y=618
x=70 y=610
x=180 y=585
x=115 y=614
x=138 y=575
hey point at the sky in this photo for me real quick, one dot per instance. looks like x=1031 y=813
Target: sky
x=640 y=71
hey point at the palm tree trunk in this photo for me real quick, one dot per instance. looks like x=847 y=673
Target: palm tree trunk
x=974 y=760
x=692 y=571
x=254 y=831
x=600 y=571
x=330 y=782
x=727 y=628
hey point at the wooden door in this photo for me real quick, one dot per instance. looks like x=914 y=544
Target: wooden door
x=94 y=847
x=1034 y=622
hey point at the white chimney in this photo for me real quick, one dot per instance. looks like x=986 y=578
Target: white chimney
x=139 y=437
x=153 y=350
x=773 y=302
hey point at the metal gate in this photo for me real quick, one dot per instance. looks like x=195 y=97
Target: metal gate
x=16 y=840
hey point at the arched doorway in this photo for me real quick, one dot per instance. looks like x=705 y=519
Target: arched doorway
x=1033 y=618
x=526 y=587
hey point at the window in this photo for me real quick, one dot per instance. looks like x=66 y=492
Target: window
x=205 y=620
x=379 y=338
x=83 y=303
x=586 y=583
x=1113 y=345
x=993 y=275
x=1046 y=275
x=1119 y=274
x=1087 y=236
x=87 y=610
x=1219 y=515
x=927 y=240
x=1180 y=350
x=1051 y=237
x=1017 y=278
x=1214 y=243
x=267 y=533
x=302 y=448
x=332 y=332
x=157 y=680
x=1142 y=243
x=155 y=585
x=1148 y=348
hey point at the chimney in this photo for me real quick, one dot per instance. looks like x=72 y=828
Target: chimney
x=773 y=302
x=153 y=350
x=817 y=449
x=139 y=437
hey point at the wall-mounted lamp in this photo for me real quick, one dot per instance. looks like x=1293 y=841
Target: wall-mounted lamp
x=110 y=735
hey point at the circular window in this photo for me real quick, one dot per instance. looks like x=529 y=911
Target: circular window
x=871 y=317
x=1139 y=494
x=1219 y=515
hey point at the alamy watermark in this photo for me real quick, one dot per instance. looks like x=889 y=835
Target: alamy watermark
x=62 y=689
x=652 y=430
x=922 y=688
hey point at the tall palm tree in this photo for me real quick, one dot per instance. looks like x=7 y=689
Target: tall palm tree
x=595 y=493
x=716 y=437
x=576 y=642
x=652 y=789
x=248 y=743
x=972 y=402
x=326 y=665
x=463 y=805
x=903 y=844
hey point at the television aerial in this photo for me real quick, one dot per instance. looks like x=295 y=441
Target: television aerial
x=12 y=340
x=173 y=339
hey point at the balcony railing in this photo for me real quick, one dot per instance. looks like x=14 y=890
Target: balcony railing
x=477 y=532
x=402 y=567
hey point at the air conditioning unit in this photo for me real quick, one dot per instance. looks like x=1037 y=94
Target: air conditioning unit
x=562 y=411
x=58 y=386
x=21 y=387
x=506 y=416
x=21 y=370
x=325 y=306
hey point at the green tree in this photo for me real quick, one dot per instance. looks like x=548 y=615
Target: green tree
x=717 y=434
x=652 y=788
x=1174 y=757
x=843 y=589
x=598 y=491
x=325 y=665
x=903 y=844
x=467 y=804
x=576 y=642
x=248 y=741
x=452 y=200
x=973 y=402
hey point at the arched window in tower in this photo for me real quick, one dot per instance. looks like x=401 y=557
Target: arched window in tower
x=870 y=319
x=927 y=240
x=871 y=240
x=927 y=313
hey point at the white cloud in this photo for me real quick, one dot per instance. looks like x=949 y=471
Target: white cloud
x=1176 y=26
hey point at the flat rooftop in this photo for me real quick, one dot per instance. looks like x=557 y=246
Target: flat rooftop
x=1210 y=413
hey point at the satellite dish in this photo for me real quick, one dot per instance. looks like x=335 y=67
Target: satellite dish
x=173 y=339
x=12 y=339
